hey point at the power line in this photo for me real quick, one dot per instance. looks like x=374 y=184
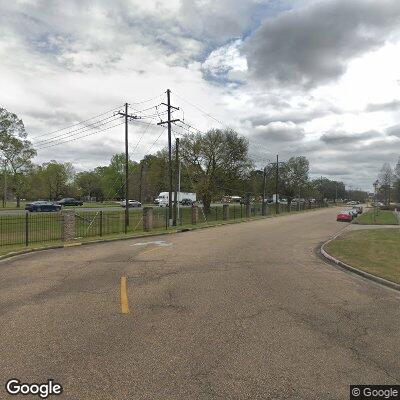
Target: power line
x=76 y=124
x=78 y=130
x=147 y=100
x=203 y=112
x=81 y=137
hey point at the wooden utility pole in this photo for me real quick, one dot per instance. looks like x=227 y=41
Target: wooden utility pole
x=141 y=182
x=265 y=184
x=277 y=185
x=176 y=201
x=127 y=116
x=169 y=124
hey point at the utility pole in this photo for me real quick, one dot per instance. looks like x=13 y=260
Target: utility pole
x=265 y=184
x=176 y=202
x=5 y=185
x=169 y=123
x=277 y=185
x=140 y=181
x=127 y=116
x=179 y=187
x=336 y=192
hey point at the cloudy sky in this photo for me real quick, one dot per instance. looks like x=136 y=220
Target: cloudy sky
x=319 y=78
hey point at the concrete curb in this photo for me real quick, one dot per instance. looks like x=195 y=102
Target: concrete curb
x=357 y=271
x=182 y=230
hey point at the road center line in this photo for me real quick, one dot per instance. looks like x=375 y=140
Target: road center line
x=124 y=296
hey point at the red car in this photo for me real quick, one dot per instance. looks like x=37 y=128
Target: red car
x=344 y=216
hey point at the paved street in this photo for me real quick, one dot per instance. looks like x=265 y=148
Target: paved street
x=244 y=311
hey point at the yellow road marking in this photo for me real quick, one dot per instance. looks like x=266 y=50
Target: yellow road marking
x=124 y=296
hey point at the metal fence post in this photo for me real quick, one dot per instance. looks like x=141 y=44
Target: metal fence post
x=26 y=229
x=241 y=211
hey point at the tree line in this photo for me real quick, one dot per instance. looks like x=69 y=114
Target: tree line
x=213 y=165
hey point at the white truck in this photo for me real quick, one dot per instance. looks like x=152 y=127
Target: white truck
x=163 y=198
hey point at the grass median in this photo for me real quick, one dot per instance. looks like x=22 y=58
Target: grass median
x=376 y=251
x=382 y=217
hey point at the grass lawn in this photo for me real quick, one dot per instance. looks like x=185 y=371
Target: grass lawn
x=384 y=217
x=376 y=251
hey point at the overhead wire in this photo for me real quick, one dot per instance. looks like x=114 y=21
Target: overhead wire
x=80 y=137
x=76 y=124
x=77 y=131
x=202 y=111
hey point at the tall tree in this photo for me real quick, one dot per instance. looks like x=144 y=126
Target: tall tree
x=16 y=151
x=295 y=176
x=89 y=184
x=57 y=176
x=397 y=181
x=216 y=161
x=386 y=179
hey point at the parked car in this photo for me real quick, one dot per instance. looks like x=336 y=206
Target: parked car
x=345 y=216
x=131 y=203
x=70 y=201
x=42 y=206
x=187 y=202
x=297 y=201
x=354 y=213
x=352 y=203
x=359 y=209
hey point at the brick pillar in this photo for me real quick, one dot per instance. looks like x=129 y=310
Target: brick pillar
x=68 y=225
x=225 y=212
x=195 y=214
x=147 y=218
x=248 y=210
x=264 y=208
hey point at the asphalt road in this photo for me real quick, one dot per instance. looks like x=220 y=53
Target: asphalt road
x=244 y=311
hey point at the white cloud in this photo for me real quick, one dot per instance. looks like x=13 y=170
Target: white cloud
x=60 y=66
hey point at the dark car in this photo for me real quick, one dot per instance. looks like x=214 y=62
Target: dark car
x=187 y=202
x=42 y=206
x=69 y=201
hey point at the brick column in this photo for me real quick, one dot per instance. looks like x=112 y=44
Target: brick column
x=264 y=208
x=248 y=210
x=147 y=218
x=225 y=212
x=67 y=225
x=195 y=214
